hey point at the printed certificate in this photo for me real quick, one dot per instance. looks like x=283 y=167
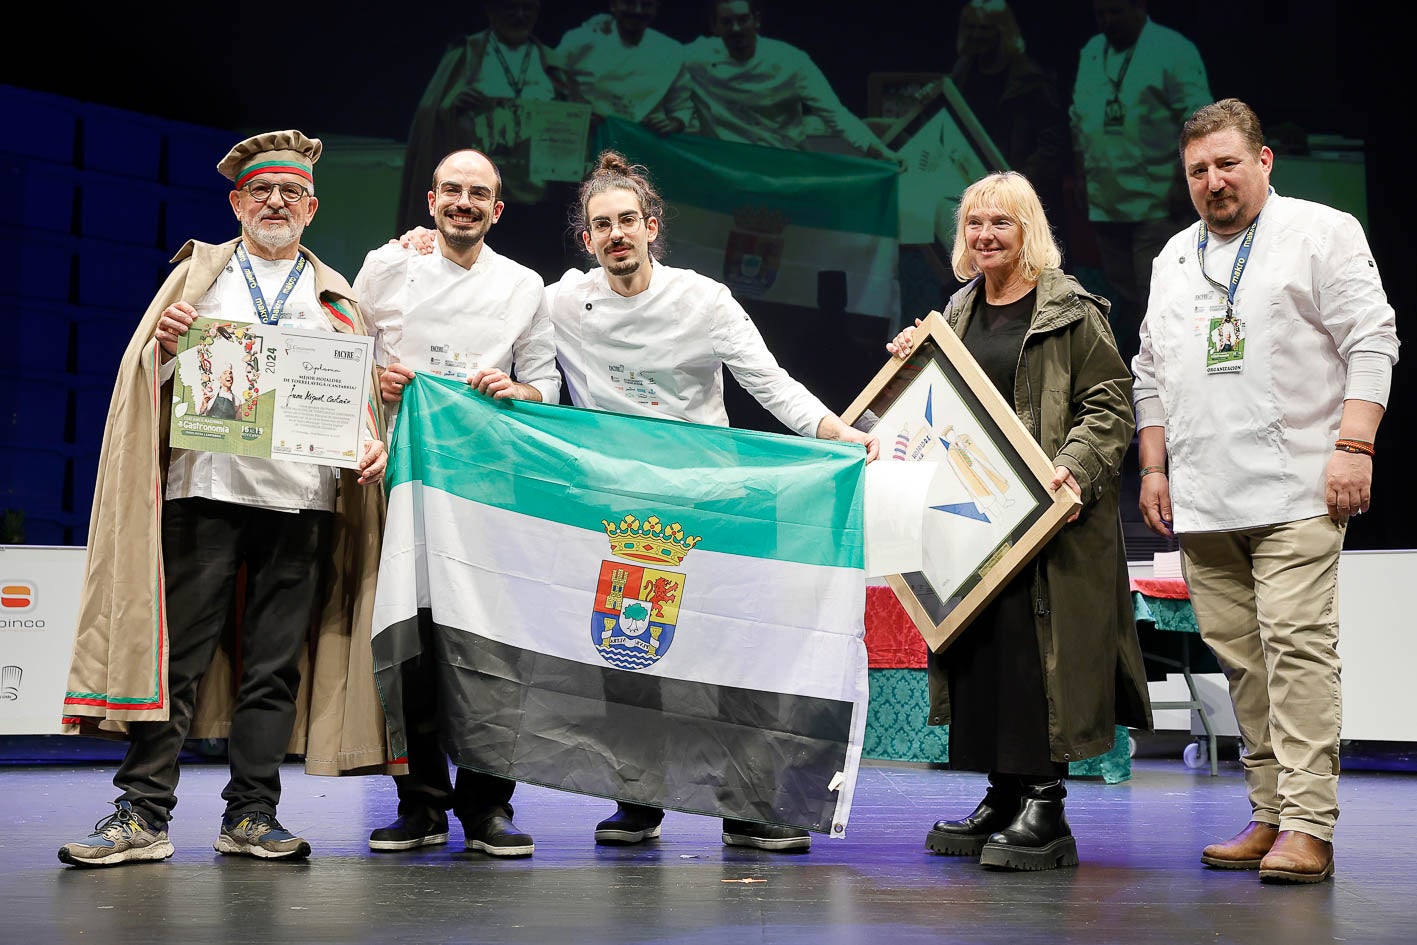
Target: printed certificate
x=558 y=132
x=258 y=390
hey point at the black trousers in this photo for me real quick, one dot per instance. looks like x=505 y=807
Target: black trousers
x=204 y=545
x=475 y=796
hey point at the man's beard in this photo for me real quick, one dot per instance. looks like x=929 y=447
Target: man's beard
x=627 y=266
x=461 y=236
x=1226 y=213
x=273 y=238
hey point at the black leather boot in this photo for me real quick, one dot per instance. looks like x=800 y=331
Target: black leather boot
x=1039 y=837
x=967 y=837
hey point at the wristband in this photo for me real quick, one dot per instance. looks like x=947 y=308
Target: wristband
x=1354 y=446
x=1148 y=470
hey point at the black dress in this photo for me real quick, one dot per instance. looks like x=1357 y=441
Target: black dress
x=998 y=707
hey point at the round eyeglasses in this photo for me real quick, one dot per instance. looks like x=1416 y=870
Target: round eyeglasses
x=290 y=192
x=476 y=193
x=628 y=222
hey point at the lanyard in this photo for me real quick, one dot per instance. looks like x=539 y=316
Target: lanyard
x=1236 y=271
x=519 y=82
x=271 y=315
x=1121 y=73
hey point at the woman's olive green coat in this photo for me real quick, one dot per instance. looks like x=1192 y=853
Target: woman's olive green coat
x=1074 y=394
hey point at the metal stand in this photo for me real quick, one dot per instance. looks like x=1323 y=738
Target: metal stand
x=1195 y=703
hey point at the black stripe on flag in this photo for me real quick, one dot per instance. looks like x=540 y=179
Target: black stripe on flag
x=746 y=754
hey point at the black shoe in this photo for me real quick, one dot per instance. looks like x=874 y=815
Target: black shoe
x=498 y=836
x=1039 y=837
x=967 y=837
x=422 y=828
x=744 y=833
x=631 y=823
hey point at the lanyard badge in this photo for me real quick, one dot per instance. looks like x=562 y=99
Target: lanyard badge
x=1225 y=335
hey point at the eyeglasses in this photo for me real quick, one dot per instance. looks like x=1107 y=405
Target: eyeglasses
x=447 y=190
x=628 y=222
x=290 y=192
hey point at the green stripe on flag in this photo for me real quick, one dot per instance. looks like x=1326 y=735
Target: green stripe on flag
x=821 y=191
x=761 y=495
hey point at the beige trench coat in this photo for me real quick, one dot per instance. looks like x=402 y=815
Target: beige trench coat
x=118 y=671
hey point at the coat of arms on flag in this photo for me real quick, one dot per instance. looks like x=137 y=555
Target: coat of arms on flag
x=636 y=607
x=753 y=254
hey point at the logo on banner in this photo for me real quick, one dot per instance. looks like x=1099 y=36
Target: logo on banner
x=10 y=677
x=16 y=596
x=753 y=255
x=637 y=599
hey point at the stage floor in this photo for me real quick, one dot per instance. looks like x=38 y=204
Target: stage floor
x=1141 y=880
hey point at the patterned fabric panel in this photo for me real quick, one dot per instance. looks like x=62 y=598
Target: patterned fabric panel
x=892 y=641
x=896 y=729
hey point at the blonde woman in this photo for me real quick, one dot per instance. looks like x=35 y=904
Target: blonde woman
x=1045 y=673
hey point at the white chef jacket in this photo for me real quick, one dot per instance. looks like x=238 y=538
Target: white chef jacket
x=1131 y=172
x=1251 y=448
x=618 y=79
x=244 y=480
x=764 y=100
x=432 y=315
x=661 y=353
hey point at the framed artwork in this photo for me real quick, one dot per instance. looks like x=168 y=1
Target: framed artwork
x=988 y=507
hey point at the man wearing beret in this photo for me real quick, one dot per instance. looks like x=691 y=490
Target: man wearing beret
x=242 y=575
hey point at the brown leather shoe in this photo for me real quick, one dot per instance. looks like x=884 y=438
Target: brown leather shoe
x=1242 y=851
x=1297 y=858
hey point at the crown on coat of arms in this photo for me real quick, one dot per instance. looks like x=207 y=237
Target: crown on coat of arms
x=651 y=540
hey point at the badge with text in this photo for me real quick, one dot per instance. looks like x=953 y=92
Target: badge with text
x=1225 y=345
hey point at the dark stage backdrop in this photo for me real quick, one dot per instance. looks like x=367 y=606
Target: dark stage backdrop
x=1308 y=67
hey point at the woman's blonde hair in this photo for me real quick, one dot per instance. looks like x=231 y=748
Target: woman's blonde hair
x=1011 y=193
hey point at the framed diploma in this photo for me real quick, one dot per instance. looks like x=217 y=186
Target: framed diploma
x=988 y=509
x=259 y=390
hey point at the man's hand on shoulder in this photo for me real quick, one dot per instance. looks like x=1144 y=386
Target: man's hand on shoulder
x=421 y=239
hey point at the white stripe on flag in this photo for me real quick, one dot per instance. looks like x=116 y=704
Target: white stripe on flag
x=761 y=624
x=700 y=238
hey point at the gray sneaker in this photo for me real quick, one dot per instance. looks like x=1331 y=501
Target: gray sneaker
x=121 y=837
x=260 y=835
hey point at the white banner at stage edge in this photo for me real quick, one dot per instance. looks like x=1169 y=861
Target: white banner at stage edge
x=39 y=608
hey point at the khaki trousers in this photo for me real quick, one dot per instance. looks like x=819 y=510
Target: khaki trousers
x=1266 y=601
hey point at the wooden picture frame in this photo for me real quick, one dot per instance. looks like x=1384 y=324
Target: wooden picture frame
x=989 y=510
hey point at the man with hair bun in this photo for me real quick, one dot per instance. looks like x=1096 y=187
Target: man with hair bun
x=677 y=330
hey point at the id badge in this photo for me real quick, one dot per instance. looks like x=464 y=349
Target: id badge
x=1114 y=116
x=1225 y=345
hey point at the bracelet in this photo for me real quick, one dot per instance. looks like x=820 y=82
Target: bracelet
x=1148 y=470
x=1355 y=446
